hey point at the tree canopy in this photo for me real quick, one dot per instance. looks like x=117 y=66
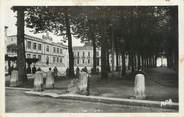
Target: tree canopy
x=143 y=31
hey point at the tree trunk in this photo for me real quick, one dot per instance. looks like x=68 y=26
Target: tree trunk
x=142 y=63
x=94 y=52
x=147 y=62
x=162 y=61
x=103 y=54
x=169 y=60
x=21 y=59
x=123 y=63
x=70 y=50
x=108 y=64
x=174 y=37
x=139 y=60
x=103 y=61
x=155 y=61
x=116 y=44
x=9 y=67
x=132 y=61
x=112 y=44
x=129 y=61
x=117 y=61
x=151 y=58
x=175 y=60
x=135 y=60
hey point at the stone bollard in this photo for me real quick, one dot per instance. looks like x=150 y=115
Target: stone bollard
x=139 y=86
x=79 y=86
x=14 y=78
x=83 y=83
x=49 y=80
x=38 y=81
x=73 y=87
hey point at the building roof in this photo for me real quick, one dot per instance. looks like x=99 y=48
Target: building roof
x=42 y=40
x=83 y=47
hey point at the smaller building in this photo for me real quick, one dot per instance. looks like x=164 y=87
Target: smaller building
x=83 y=56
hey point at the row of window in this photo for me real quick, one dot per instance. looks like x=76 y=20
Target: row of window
x=34 y=45
x=34 y=56
x=83 y=54
x=55 y=59
x=55 y=50
x=88 y=61
x=83 y=61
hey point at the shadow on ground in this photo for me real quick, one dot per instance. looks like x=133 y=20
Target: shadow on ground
x=161 y=84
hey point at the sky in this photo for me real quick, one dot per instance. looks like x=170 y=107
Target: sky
x=10 y=21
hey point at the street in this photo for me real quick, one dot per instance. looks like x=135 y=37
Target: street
x=18 y=102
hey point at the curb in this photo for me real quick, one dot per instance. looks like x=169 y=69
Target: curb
x=107 y=100
x=17 y=88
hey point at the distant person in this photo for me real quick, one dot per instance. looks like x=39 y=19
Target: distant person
x=10 y=69
x=139 y=84
x=33 y=69
x=28 y=70
x=93 y=70
x=85 y=69
x=77 y=72
x=49 y=79
x=97 y=70
x=39 y=69
x=55 y=72
x=67 y=72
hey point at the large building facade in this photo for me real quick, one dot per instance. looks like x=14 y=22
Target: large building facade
x=49 y=53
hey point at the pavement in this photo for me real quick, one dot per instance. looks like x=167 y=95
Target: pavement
x=17 y=101
x=133 y=102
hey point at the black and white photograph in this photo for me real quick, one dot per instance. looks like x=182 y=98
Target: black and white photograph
x=91 y=59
